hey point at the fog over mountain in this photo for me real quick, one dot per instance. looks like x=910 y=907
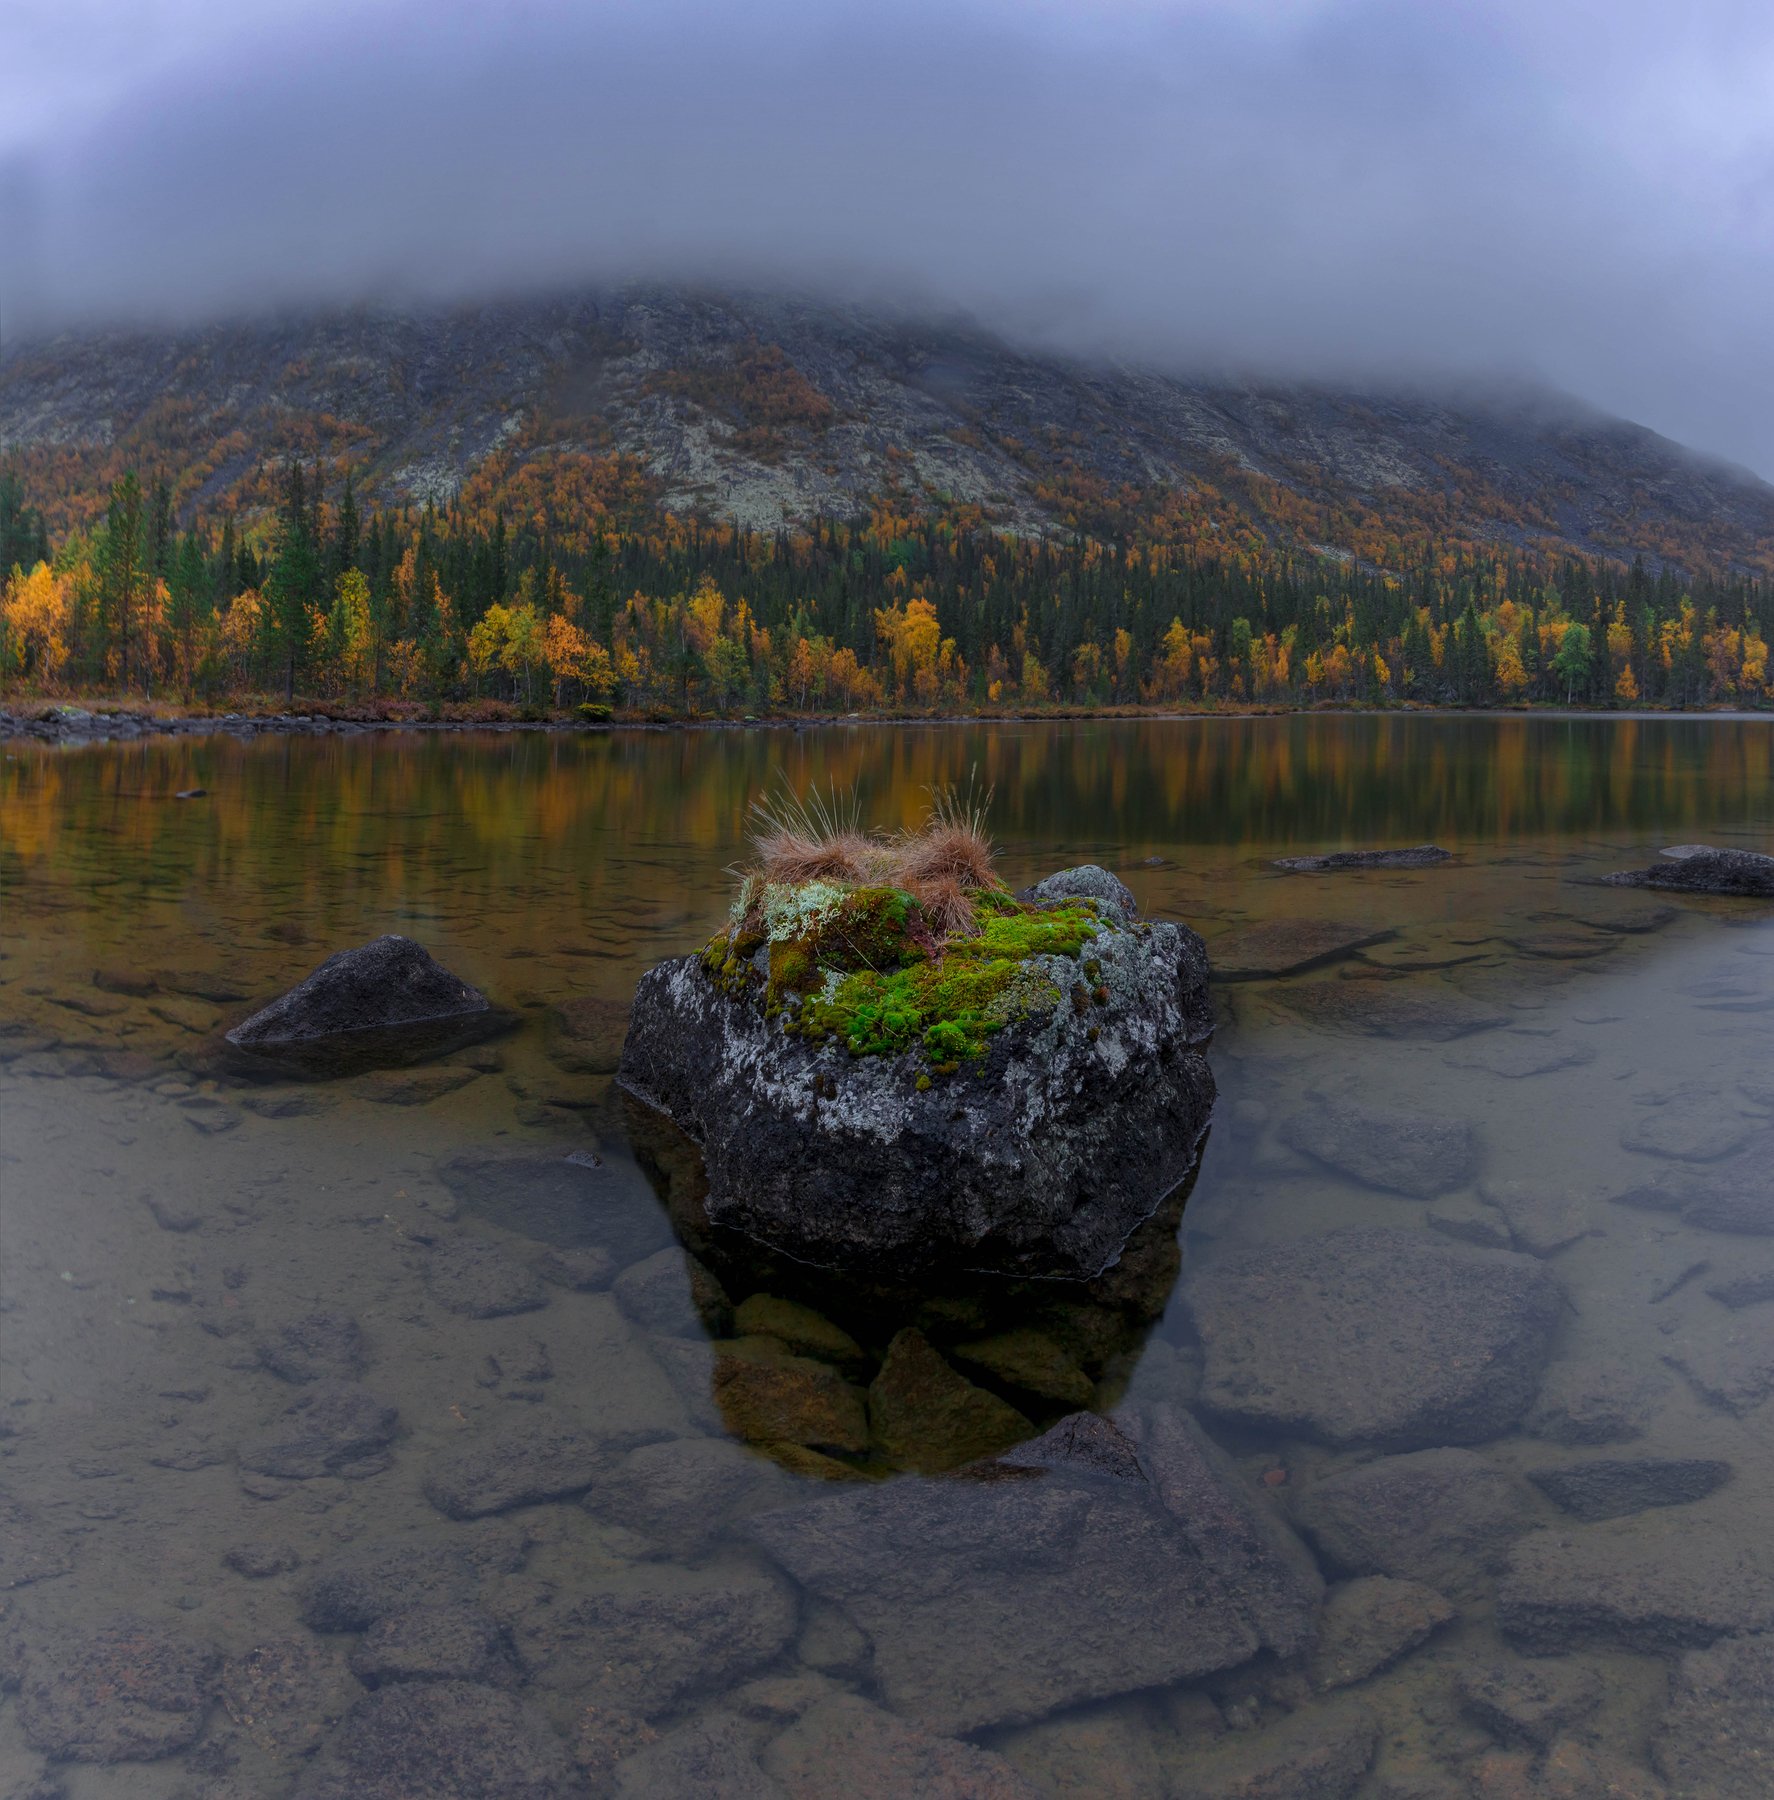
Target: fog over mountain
x=1579 y=194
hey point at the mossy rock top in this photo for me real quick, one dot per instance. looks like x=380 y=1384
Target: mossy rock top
x=868 y=968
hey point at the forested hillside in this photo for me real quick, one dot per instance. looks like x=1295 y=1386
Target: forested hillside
x=677 y=503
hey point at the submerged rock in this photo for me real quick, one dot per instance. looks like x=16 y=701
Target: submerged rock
x=1701 y=869
x=1530 y=1701
x=1451 y=1341
x=130 y=1692
x=1369 y=1623
x=1611 y=1487
x=1407 y=1153
x=1418 y=856
x=883 y=1758
x=927 y=1416
x=444 y=1737
x=1718 y=1736
x=1286 y=946
x=385 y=1002
x=1084 y=1564
x=1028 y=1133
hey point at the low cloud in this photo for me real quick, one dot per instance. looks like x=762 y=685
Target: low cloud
x=1346 y=189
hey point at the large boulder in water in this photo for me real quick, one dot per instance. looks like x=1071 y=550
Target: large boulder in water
x=871 y=1096
x=1703 y=869
x=386 y=1002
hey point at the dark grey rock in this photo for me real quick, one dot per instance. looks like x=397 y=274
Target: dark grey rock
x=1451 y=1341
x=442 y=1641
x=1407 y=1153
x=653 y=1635
x=1593 y=1403
x=685 y=1492
x=1636 y=1586
x=1418 y=856
x=1614 y=1486
x=319 y=1346
x=1040 y=1160
x=331 y=1428
x=445 y=1738
x=387 y=1001
x=1705 y=870
x=1062 y=1574
x=575 y=1201
x=1728 y=1359
x=584 y=1271
x=1319 y=1753
x=1369 y=1623
x=1470 y=1221
x=1443 y=1517
x=480 y=1281
x=883 y=1758
x=1717 y=1738
x=1088 y=881
x=521 y=1466
x=1530 y=1701
x=130 y=1692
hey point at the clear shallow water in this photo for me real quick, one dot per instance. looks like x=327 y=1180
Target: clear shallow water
x=166 y=1236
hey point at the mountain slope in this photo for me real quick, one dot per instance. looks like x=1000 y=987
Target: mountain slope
x=766 y=410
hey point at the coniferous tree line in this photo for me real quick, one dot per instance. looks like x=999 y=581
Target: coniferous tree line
x=331 y=600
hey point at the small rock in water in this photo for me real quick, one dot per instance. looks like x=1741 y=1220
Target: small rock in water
x=1593 y=1403
x=767 y=1397
x=494 y=1472
x=883 y=1758
x=1613 y=1486
x=480 y=1281
x=1418 y=856
x=412 y=1087
x=928 y=1417
x=1516 y=1056
x=319 y=1346
x=352 y=1589
x=130 y=1692
x=1744 y=874
x=332 y=1428
x=1319 y=1750
x=800 y=1328
x=441 y=1641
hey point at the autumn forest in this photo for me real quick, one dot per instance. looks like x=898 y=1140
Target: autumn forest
x=559 y=585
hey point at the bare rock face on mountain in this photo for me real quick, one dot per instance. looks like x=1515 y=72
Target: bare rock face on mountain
x=386 y=1002
x=887 y=1139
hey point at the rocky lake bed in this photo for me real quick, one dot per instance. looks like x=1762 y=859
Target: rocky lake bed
x=421 y=1431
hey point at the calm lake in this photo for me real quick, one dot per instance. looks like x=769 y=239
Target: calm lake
x=411 y=1434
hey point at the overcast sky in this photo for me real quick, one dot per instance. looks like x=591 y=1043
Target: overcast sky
x=1579 y=192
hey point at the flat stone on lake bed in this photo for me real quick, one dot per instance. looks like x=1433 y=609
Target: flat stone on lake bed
x=1406 y=1153
x=1285 y=946
x=1611 y=1487
x=1418 y=856
x=1374 y=1337
x=1400 y=1009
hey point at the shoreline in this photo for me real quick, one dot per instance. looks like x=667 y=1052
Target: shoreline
x=71 y=725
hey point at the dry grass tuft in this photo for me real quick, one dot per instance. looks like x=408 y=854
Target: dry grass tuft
x=819 y=837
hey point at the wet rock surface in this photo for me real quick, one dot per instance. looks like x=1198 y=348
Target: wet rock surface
x=1717 y=1738
x=1705 y=870
x=1406 y=1153
x=1040 y=1160
x=1319 y=1753
x=1096 y=1584
x=442 y=1641
x=352 y=1589
x=1454 y=1340
x=684 y=1493
x=319 y=1346
x=447 y=1737
x=133 y=1691
x=387 y=1001
x=519 y=1466
x=927 y=1416
x=1610 y=1487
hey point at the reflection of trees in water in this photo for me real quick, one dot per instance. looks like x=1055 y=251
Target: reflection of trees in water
x=580 y=831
